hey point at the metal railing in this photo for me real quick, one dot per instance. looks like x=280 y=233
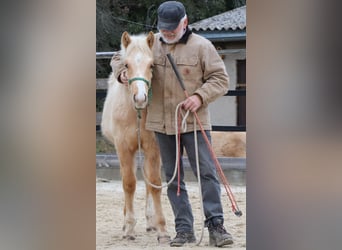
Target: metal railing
x=242 y=92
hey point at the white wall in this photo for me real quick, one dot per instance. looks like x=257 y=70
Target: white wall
x=223 y=111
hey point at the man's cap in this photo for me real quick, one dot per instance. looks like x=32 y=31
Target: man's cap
x=169 y=15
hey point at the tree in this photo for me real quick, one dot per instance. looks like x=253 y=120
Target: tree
x=113 y=17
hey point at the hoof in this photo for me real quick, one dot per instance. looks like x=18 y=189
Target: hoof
x=151 y=229
x=129 y=237
x=164 y=239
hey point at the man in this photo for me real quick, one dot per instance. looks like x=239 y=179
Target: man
x=205 y=79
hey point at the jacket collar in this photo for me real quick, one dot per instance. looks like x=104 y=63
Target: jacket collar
x=183 y=39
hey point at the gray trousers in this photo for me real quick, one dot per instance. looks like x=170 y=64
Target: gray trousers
x=211 y=189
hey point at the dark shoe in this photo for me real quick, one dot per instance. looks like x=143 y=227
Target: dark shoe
x=182 y=238
x=218 y=236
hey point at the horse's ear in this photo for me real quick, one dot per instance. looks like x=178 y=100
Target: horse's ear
x=125 y=39
x=150 y=39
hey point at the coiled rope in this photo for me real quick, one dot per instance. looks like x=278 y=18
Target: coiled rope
x=178 y=126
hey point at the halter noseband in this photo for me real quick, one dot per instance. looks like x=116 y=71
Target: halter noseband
x=140 y=79
x=148 y=83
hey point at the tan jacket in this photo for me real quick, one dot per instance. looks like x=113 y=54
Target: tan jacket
x=203 y=72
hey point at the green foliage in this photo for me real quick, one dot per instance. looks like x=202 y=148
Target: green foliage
x=113 y=17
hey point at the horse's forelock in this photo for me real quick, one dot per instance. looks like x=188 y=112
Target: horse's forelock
x=138 y=42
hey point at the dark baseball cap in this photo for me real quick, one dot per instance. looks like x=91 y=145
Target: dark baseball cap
x=169 y=15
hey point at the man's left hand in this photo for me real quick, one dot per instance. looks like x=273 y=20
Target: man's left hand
x=192 y=103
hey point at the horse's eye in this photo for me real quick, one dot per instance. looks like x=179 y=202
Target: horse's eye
x=126 y=66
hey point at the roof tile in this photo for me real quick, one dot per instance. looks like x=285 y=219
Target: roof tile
x=233 y=19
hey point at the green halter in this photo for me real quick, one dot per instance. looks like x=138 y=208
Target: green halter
x=140 y=79
x=148 y=83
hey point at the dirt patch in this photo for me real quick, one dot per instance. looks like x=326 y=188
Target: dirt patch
x=109 y=218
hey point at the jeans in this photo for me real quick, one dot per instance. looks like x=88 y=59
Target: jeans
x=210 y=185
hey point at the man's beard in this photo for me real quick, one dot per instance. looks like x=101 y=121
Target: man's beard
x=177 y=37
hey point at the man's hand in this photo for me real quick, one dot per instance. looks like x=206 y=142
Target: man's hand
x=192 y=103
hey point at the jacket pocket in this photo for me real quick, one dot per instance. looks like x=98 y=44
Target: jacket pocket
x=191 y=72
x=187 y=61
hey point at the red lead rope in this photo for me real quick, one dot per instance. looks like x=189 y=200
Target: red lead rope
x=224 y=180
x=235 y=208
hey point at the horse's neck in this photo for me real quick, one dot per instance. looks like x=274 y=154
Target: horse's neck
x=122 y=97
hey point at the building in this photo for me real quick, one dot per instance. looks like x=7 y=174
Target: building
x=227 y=31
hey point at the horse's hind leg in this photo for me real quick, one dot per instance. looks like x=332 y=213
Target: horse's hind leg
x=154 y=213
x=129 y=184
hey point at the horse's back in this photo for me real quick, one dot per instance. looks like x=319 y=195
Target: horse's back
x=229 y=144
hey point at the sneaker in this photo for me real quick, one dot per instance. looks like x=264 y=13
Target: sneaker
x=218 y=236
x=182 y=238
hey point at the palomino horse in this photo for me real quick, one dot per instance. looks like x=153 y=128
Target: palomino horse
x=119 y=125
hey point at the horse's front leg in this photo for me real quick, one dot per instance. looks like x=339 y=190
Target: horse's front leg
x=154 y=213
x=149 y=211
x=129 y=184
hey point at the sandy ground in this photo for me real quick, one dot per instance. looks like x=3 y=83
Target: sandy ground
x=109 y=218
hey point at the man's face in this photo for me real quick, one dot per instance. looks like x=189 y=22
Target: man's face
x=173 y=36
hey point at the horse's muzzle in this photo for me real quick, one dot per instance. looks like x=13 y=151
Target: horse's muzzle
x=140 y=100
